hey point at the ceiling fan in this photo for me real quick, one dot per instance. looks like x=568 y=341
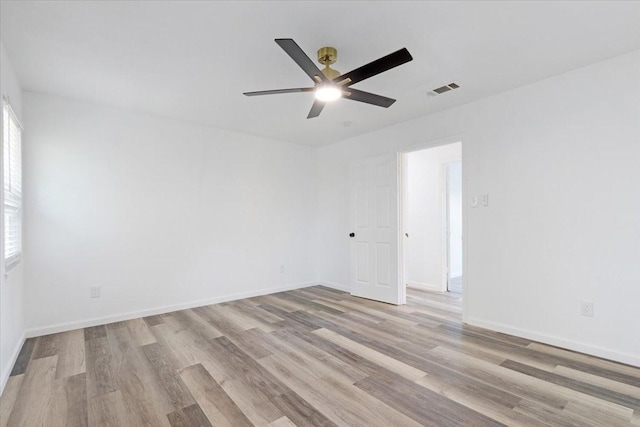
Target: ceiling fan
x=329 y=84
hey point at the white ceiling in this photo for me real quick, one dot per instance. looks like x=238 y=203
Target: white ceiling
x=193 y=60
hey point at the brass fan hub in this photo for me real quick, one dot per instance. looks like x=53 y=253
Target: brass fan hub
x=326 y=56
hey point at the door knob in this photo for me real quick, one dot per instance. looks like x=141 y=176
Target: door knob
x=352 y=234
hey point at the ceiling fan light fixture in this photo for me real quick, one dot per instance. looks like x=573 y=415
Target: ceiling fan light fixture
x=327 y=93
x=329 y=84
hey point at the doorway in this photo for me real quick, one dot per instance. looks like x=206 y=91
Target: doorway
x=432 y=218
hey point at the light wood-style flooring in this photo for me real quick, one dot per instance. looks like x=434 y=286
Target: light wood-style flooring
x=312 y=357
x=455 y=285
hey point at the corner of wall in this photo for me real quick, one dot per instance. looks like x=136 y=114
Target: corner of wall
x=12 y=329
x=6 y=370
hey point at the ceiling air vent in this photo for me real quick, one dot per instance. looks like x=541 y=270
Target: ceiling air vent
x=445 y=88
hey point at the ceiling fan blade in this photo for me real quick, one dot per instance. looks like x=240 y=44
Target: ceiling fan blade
x=277 y=91
x=301 y=58
x=316 y=109
x=378 y=66
x=369 y=98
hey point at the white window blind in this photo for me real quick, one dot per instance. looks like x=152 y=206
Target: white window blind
x=12 y=166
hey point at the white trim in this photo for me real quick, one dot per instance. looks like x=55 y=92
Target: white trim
x=63 y=327
x=12 y=361
x=403 y=179
x=466 y=299
x=446 y=228
x=428 y=286
x=12 y=262
x=344 y=288
x=627 y=358
x=7 y=101
x=401 y=159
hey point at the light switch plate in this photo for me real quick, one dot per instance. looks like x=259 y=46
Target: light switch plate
x=475 y=201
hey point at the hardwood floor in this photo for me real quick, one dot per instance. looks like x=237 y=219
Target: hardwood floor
x=455 y=285
x=312 y=357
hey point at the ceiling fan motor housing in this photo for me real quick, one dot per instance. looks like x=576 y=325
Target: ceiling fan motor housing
x=326 y=56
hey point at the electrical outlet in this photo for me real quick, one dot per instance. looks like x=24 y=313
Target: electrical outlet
x=282 y=269
x=586 y=309
x=485 y=200
x=95 y=292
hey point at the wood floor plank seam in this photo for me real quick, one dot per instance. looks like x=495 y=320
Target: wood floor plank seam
x=312 y=357
x=20 y=366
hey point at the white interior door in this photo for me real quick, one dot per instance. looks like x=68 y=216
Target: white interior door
x=375 y=228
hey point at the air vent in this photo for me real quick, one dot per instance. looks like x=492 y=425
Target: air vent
x=446 y=88
x=442 y=89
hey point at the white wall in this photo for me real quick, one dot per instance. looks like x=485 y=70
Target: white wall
x=164 y=214
x=425 y=222
x=11 y=283
x=455 y=219
x=559 y=159
x=161 y=214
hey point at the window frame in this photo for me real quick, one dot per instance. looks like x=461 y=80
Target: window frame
x=13 y=260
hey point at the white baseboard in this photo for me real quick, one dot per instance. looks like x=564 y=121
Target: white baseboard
x=427 y=286
x=6 y=371
x=627 y=358
x=63 y=327
x=343 y=288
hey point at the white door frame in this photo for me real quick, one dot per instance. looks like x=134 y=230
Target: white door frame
x=445 y=165
x=402 y=208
